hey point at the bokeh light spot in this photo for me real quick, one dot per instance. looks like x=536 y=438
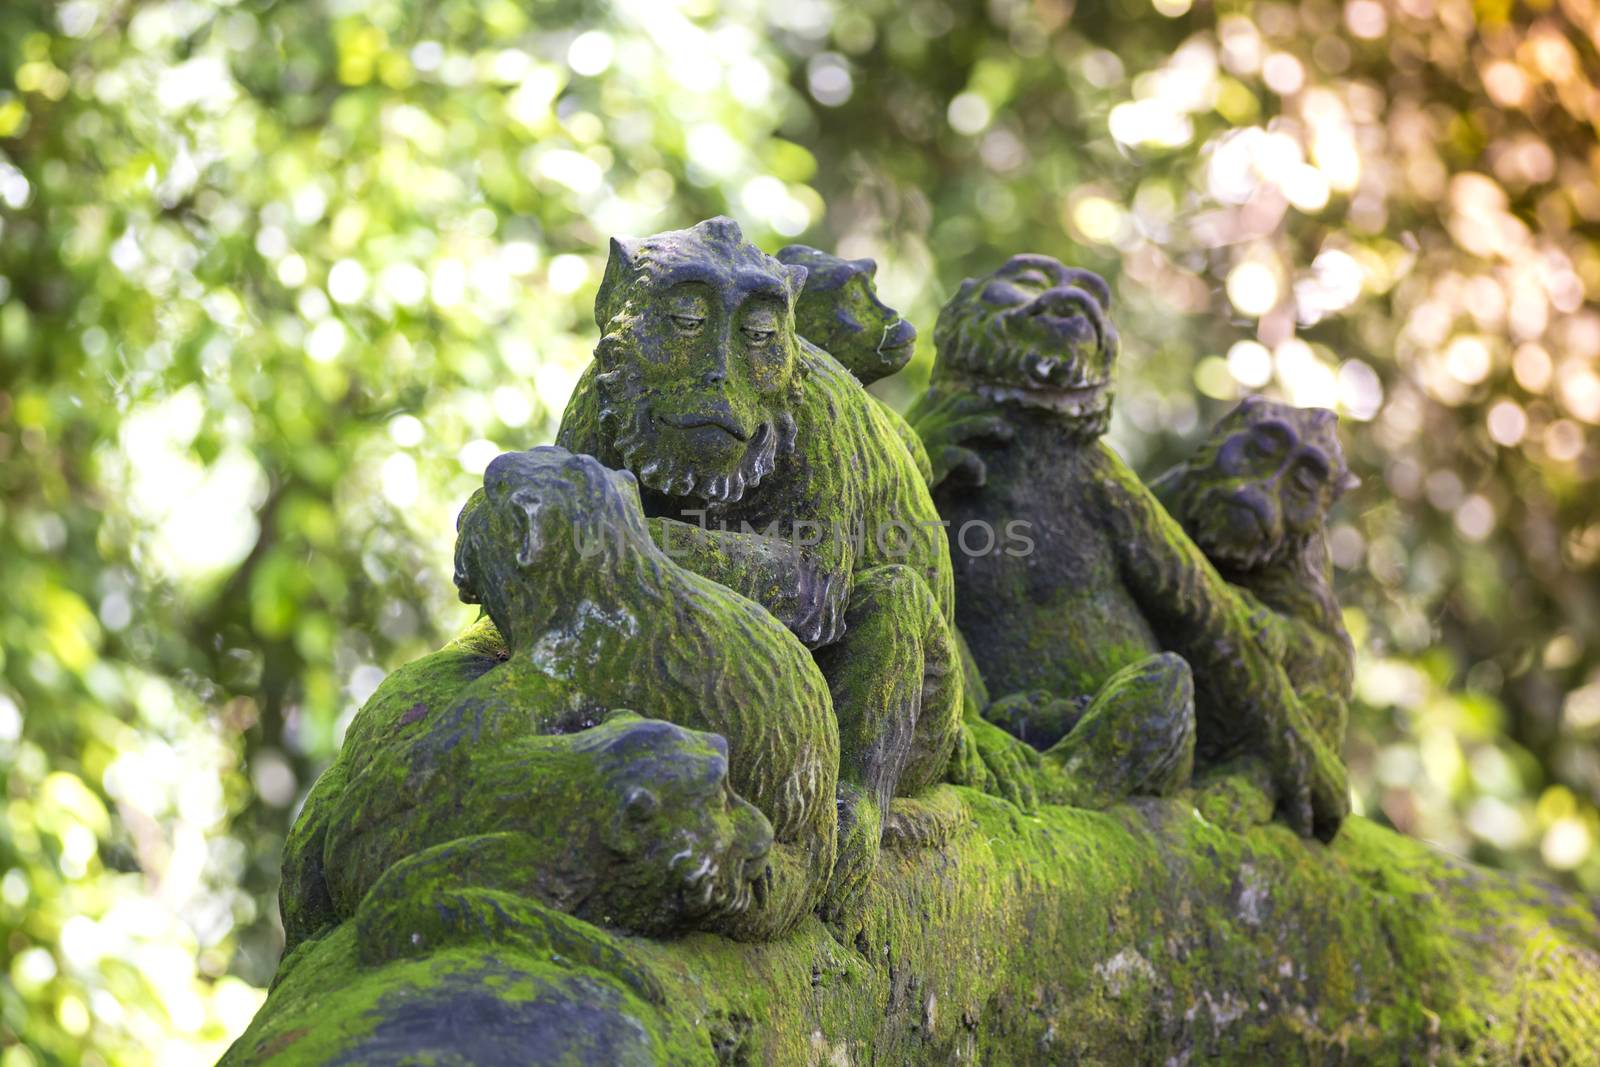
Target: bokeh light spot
x=1252 y=288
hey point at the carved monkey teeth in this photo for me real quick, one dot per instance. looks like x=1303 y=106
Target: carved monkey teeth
x=1081 y=400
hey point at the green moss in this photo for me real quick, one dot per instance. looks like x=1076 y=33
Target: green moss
x=1144 y=933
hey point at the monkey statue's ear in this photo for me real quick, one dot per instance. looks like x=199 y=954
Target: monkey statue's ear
x=723 y=229
x=1322 y=418
x=1344 y=483
x=795 y=275
x=619 y=268
x=869 y=267
x=524 y=510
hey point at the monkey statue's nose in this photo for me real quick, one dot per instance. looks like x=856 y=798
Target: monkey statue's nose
x=715 y=376
x=1257 y=504
x=902 y=333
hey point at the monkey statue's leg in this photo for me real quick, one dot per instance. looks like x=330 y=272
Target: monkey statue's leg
x=986 y=757
x=1038 y=716
x=896 y=685
x=1136 y=738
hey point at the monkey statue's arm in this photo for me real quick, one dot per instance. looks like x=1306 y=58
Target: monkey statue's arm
x=805 y=585
x=948 y=421
x=1206 y=620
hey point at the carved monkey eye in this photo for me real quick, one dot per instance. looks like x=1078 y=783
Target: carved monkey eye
x=1309 y=475
x=760 y=326
x=1269 y=440
x=686 y=308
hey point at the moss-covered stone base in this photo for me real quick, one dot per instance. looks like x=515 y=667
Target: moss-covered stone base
x=1144 y=934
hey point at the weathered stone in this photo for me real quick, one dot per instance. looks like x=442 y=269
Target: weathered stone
x=1143 y=935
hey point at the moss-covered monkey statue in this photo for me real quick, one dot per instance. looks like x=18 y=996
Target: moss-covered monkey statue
x=1075 y=631
x=1255 y=497
x=839 y=311
x=552 y=797
x=765 y=466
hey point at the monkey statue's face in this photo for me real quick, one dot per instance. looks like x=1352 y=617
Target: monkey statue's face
x=1034 y=333
x=839 y=312
x=697 y=360
x=544 y=522
x=1261 y=485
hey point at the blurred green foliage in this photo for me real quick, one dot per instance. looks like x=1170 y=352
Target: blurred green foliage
x=278 y=279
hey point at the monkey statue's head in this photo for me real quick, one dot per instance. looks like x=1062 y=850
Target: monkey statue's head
x=1257 y=492
x=1035 y=333
x=697 y=361
x=839 y=312
x=545 y=523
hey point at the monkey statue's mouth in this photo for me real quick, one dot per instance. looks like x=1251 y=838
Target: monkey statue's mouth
x=1072 y=398
x=1246 y=523
x=1235 y=534
x=712 y=419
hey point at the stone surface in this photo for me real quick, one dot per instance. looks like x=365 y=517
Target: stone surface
x=1143 y=934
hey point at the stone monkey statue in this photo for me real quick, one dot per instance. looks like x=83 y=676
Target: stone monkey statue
x=732 y=829
x=766 y=467
x=1255 y=498
x=1113 y=582
x=840 y=312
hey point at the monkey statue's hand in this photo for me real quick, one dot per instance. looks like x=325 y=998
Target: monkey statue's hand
x=948 y=422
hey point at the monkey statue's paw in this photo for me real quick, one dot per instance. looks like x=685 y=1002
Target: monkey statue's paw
x=927 y=820
x=990 y=760
x=948 y=423
x=1236 y=795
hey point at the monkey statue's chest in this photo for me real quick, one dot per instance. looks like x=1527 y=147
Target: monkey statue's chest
x=1045 y=607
